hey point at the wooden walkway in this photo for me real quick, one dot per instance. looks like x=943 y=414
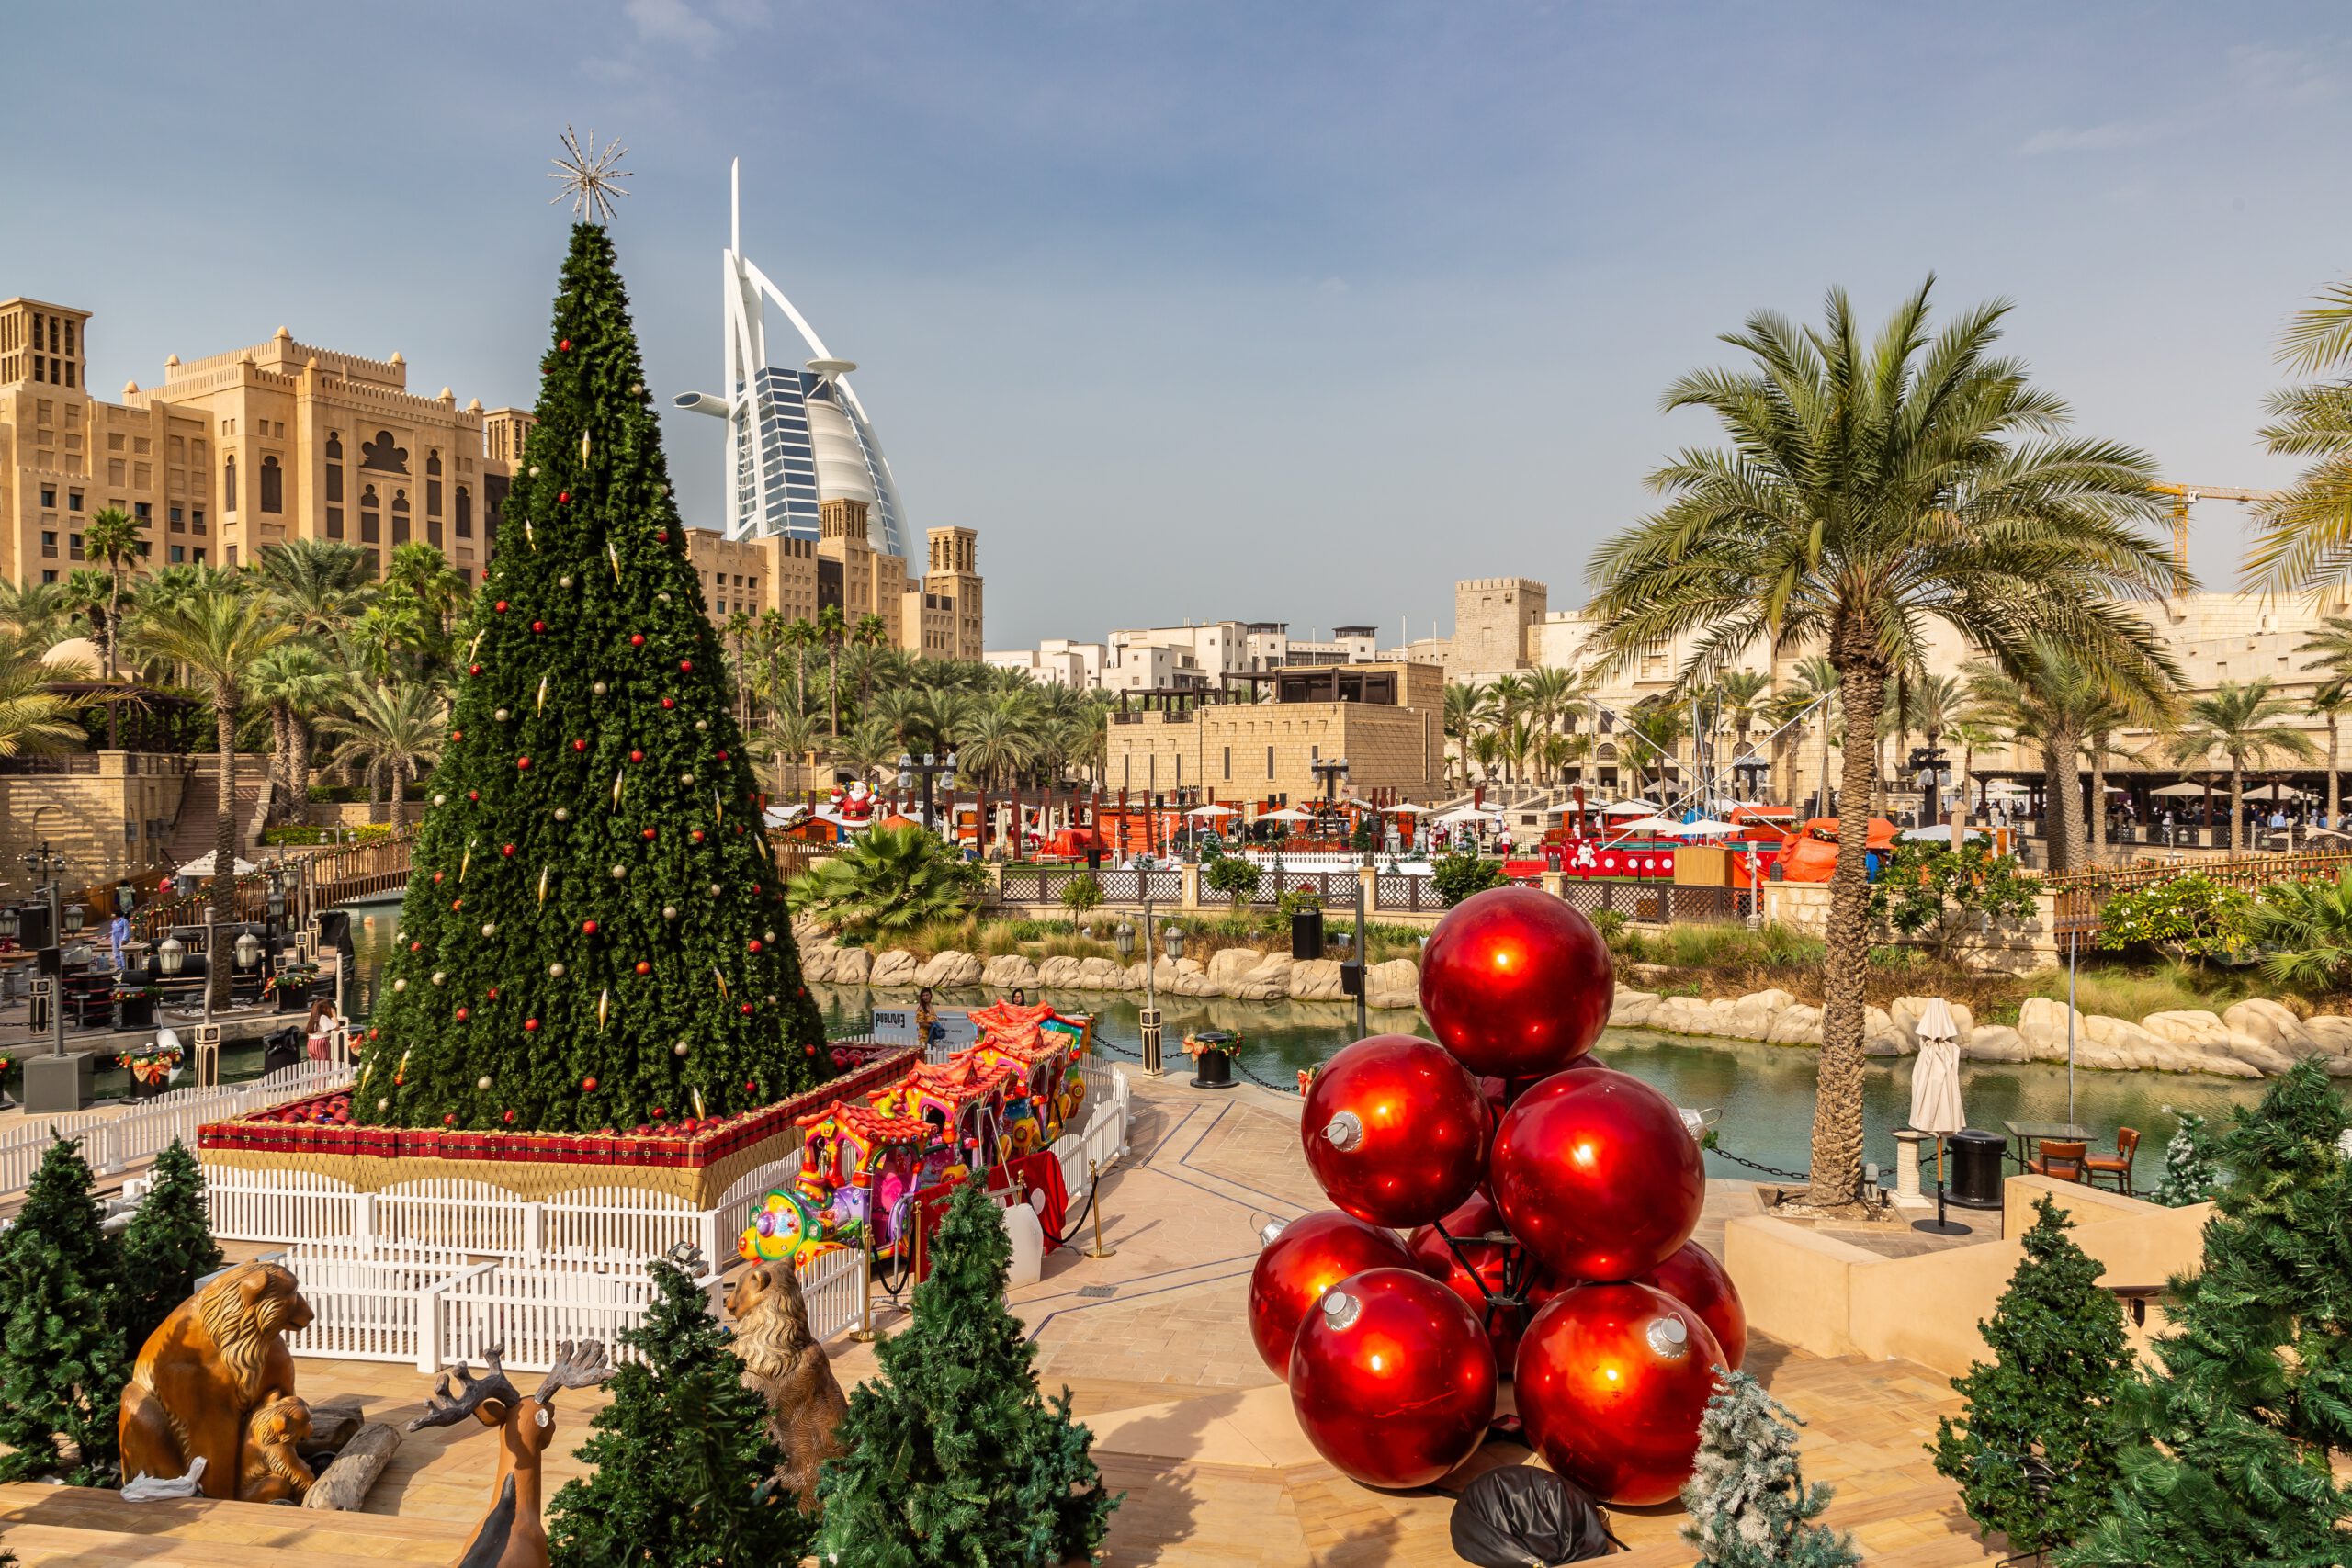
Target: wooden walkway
x=1188 y=1424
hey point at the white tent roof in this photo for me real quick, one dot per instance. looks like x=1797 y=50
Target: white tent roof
x=1212 y=811
x=1704 y=828
x=2181 y=790
x=1407 y=806
x=1650 y=824
x=201 y=866
x=1287 y=814
x=1943 y=831
x=2276 y=791
x=1628 y=808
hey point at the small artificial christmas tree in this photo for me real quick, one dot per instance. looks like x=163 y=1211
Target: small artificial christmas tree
x=167 y=1246
x=954 y=1459
x=1749 y=1505
x=61 y=1360
x=2189 y=1173
x=2033 y=1455
x=2225 y=1452
x=595 y=935
x=680 y=1456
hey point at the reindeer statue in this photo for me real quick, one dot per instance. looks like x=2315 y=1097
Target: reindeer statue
x=510 y=1534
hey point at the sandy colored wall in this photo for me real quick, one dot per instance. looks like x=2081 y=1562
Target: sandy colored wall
x=1836 y=1299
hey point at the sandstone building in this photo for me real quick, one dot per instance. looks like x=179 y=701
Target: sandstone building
x=1385 y=721
x=937 y=616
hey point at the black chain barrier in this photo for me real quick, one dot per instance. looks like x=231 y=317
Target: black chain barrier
x=1710 y=1144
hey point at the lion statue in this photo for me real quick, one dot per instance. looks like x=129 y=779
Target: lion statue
x=781 y=1360
x=272 y=1470
x=219 y=1356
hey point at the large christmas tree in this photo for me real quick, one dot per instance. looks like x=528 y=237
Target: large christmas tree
x=595 y=935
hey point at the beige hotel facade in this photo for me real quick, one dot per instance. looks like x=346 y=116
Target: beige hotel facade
x=281 y=441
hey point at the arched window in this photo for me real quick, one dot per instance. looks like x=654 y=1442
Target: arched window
x=229 y=485
x=371 y=516
x=400 y=517
x=272 y=486
x=465 y=512
x=334 y=469
x=384 y=455
x=335 y=446
x=433 y=490
x=433 y=460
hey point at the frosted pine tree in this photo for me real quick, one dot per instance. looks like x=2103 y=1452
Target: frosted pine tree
x=1749 y=1505
x=2190 y=1173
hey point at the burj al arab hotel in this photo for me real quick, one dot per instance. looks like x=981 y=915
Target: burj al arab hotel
x=796 y=437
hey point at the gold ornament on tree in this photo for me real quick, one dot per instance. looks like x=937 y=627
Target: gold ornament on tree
x=543 y=695
x=543 y=886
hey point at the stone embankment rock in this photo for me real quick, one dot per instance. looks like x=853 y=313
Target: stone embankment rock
x=1242 y=973
x=2253 y=1039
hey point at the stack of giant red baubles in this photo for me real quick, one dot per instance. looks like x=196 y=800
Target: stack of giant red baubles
x=1550 y=1203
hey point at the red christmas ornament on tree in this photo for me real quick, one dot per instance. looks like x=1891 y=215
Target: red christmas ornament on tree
x=587 y=928
x=1391 y=1379
x=637 y=640
x=643 y=967
x=1693 y=1278
x=1595 y=1174
x=1516 y=984
x=1303 y=1260
x=1394 y=1131
x=1476 y=1261
x=686 y=666
x=587 y=1086
x=636 y=756
x=1613 y=1381
x=530 y=1026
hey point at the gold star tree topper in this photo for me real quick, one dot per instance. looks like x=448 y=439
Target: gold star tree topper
x=590 y=178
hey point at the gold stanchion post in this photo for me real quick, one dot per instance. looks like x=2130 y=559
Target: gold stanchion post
x=1094 y=1193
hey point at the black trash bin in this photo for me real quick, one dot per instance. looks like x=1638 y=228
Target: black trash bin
x=1973 y=1176
x=1307 y=934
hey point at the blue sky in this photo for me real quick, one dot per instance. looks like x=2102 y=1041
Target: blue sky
x=1261 y=310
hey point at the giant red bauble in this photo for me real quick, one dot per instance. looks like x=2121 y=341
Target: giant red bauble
x=1391 y=1379
x=1613 y=1381
x=1394 y=1130
x=1516 y=984
x=1594 y=1172
x=1483 y=1244
x=1310 y=1255
x=1693 y=1278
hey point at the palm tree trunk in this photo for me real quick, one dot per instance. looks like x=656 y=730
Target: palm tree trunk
x=2237 y=804
x=114 y=639
x=224 y=837
x=1823 y=803
x=400 y=798
x=2096 y=828
x=2332 y=820
x=2062 y=791
x=1836 y=1163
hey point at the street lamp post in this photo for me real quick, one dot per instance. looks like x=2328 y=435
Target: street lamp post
x=57 y=1081
x=1151 y=1019
x=929 y=767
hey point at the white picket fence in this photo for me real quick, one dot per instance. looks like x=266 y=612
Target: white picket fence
x=114 y=1142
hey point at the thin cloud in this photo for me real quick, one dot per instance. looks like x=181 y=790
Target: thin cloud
x=672 y=21
x=2111 y=136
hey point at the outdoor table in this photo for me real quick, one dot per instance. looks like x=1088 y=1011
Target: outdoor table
x=2029 y=1133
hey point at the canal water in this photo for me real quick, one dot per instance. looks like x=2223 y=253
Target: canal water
x=1764 y=1094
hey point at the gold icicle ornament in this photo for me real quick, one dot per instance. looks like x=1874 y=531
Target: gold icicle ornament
x=475 y=646
x=699 y=1112
x=543 y=695
x=366 y=1070
x=604 y=1006
x=401 y=1071
x=616 y=787
x=465 y=860
x=717 y=808
x=543 y=887
x=583 y=446
x=721 y=978
x=528 y=538
x=615 y=557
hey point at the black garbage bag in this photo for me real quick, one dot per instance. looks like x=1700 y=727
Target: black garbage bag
x=281 y=1048
x=1520 y=1516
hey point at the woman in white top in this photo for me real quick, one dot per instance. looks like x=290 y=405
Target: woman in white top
x=318 y=1031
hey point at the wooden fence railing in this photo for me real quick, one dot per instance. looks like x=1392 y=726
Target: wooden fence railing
x=336 y=875
x=2080 y=895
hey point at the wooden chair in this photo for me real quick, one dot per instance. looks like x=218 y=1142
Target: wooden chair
x=2119 y=1169
x=2061 y=1161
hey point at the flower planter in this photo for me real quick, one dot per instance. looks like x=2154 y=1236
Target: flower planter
x=1212 y=1069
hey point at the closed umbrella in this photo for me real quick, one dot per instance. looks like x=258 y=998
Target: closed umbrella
x=1934 y=1095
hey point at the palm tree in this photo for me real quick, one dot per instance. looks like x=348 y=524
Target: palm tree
x=800 y=635
x=869 y=749
x=217 y=635
x=321 y=584
x=2048 y=694
x=997 y=741
x=33 y=616
x=1818 y=686
x=1870 y=488
x=393 y=626
x=2304 y=538
x=792 y=736
x=297 y=683
x=439 y=588
x=2246 y=724
x=113 y=538
x=832 y=631
x=396 y=730
x=1653 y=732
x=34 y=720
x=2332 y=643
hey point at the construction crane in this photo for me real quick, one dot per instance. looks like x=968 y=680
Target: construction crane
x=2186 y=496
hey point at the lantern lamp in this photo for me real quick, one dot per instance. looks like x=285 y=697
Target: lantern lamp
x=1125 y=936
x=73 y=918
x=248 y=950
x=171 y=955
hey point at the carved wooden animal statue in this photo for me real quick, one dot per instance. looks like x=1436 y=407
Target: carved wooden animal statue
x=783 y=1361
x=216 y=1359
x=272 y=1471
x=510 y=1534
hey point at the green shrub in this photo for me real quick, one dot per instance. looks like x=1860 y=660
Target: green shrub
x=1930 y=892
x=2191 y=917
x=890 y=882
x=1295 y=900
x=1235 y=877
x=1082 y=893
x=2306 y=928
x=1457 y=876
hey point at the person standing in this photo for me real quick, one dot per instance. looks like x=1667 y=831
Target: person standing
x=117 y=933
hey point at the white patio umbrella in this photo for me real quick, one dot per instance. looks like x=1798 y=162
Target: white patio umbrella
x=1936 y=834
x=1628 y=808
x=1287 y=814
x=1650 y=824
x=1408 y=805
x=201 y=866
x=1935 y=1088
x=2180 y=791
x=1212 y=811
x=2276 y=791
x=1704 y=828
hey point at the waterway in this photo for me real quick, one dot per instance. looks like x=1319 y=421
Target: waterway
x=1764 y=1093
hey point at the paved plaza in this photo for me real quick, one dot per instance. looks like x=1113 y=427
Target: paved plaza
x=1152 y=1344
